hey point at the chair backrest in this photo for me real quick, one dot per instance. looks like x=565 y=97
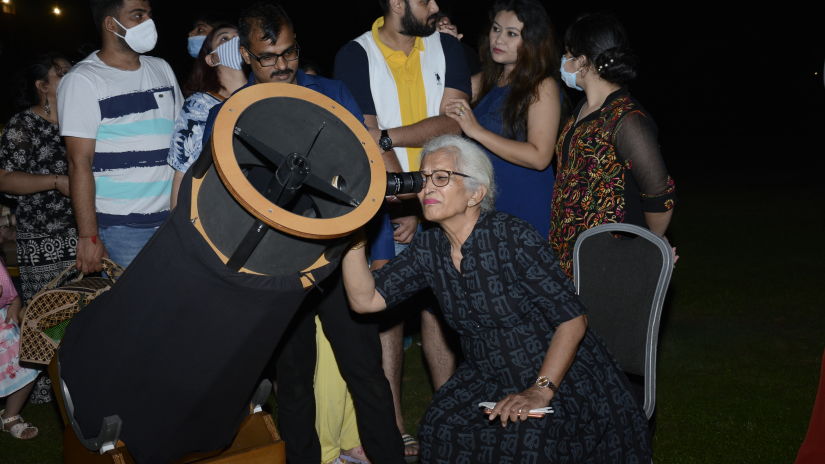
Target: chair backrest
x=621 y=273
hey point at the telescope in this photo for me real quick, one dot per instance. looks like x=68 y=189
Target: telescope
x=167 y=360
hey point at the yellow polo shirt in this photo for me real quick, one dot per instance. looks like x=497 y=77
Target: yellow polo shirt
x=406 y=70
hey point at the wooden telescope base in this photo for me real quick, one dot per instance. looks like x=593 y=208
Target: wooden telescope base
x=257 y=442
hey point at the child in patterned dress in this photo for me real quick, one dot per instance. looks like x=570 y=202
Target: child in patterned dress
x=16 y=382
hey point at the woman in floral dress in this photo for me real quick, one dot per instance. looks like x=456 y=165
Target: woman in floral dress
x=33 y=171
x=217 y=74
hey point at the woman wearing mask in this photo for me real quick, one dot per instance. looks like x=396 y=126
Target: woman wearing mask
x=201 y=27
x=217 y=74
x=33 y=171
x=517 y=115
x=609 y=167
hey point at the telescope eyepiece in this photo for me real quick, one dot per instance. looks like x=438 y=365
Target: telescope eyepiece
x=399 y=183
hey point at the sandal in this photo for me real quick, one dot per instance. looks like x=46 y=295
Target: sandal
x=356 y=456
x=410 y=448
x=21 y=430
x=344 y=459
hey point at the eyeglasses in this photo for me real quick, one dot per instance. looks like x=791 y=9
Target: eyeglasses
x=440 y=177
x=271 y=59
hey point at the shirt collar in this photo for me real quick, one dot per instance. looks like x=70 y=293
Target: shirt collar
x=386 y=50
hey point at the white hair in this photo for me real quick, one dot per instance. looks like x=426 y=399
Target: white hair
x=470 y=160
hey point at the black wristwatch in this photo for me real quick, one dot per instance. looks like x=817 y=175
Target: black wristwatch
x=385 y=142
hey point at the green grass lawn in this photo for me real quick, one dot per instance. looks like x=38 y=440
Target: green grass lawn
x=741 y=342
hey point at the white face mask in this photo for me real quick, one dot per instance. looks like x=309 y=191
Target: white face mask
x=229 y=54
x=141 y=38
x=568 y=77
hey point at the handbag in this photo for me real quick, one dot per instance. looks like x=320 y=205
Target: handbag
x=51 y=309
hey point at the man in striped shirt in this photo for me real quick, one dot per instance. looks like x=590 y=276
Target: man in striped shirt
x=117 y=110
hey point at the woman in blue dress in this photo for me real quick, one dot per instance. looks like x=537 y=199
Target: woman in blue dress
x=516 y=117
x=217 y=74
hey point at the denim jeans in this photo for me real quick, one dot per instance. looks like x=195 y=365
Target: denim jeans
x=124 y=243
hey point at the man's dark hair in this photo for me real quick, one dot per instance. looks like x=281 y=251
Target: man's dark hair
x=103 y=8
x=268 y=16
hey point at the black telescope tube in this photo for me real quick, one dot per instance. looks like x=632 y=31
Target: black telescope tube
x=399 y=183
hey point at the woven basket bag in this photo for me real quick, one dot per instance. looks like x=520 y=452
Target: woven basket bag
x=52 y=308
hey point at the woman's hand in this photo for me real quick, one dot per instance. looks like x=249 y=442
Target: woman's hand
x=460 y=110
x=13 y=313
x=62 y=185
x=358 y=281
x=517 y=407
x=445 y=26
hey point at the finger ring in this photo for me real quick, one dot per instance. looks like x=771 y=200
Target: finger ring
x=520 y=410
x=461 y=112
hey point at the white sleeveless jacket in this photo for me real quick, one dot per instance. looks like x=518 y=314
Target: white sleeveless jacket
x=385 y=93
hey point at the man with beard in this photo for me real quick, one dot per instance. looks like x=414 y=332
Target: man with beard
x=402 y=72
x=268 y=45
x=117 y=111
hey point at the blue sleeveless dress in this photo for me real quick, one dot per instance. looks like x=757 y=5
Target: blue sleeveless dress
x=522 y=192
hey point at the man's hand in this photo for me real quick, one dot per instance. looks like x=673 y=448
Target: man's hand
x=405 y=230
x=375 y=133
x=90 y=254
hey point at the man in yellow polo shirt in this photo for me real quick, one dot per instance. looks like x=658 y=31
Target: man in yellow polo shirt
x=401 y=73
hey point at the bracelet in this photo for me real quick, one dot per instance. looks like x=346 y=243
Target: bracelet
x=93 y=238
x=358 y=245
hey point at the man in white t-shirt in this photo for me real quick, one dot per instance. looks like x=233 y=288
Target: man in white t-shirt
x=117 y=111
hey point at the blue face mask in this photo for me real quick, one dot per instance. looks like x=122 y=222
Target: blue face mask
x=568 y=77
x=194 y=45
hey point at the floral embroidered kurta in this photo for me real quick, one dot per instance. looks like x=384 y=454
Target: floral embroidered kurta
x=609 y=169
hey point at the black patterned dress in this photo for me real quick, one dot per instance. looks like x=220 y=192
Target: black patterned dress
x=505 y=304
x=46 y=232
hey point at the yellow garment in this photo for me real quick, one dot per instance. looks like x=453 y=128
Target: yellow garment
x=334 y=413
x=406 y=70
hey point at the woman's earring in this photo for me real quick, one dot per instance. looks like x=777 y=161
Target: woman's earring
x=47 y=107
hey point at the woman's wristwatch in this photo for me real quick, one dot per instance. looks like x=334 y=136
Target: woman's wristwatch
x=544 y=382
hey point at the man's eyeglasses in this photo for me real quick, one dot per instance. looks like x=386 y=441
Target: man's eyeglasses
x=271 y=59
x=440 y=177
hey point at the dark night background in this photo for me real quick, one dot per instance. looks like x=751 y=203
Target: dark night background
x=737 y=93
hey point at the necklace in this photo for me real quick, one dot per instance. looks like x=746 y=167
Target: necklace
x=41 y=112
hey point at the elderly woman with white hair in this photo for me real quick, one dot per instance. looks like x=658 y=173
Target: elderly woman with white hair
x=523 y=331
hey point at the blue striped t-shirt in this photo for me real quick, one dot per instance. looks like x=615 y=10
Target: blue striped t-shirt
x=131 y=115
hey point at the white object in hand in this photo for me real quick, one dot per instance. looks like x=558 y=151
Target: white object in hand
x=544 y=410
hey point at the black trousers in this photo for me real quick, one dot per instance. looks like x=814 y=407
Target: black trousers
x=357 y=350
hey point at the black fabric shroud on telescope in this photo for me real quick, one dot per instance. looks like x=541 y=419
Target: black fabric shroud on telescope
x=177 y=346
